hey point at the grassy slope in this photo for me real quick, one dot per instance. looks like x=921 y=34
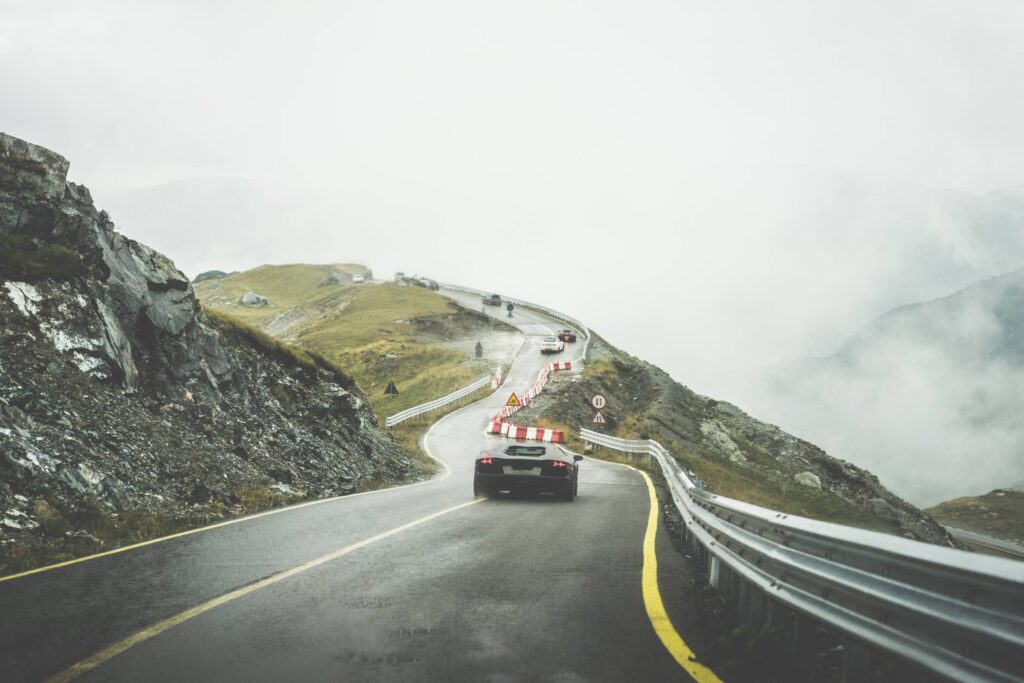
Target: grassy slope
x=999 y=514
x=739 y=481
x=375 y=332
x=286 y=286
x=644 y=402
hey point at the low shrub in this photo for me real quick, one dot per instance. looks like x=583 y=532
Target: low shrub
x=286 y=354
x=23 y=260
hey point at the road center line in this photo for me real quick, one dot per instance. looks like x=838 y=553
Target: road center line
x=90 y=663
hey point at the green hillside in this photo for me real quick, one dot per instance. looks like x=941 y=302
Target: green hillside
x=377 y=332
x=998 y=513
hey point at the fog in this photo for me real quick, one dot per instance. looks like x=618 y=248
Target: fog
x=717 y=188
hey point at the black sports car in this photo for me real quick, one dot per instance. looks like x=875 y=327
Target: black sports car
x=542 y=468
x=567 y=335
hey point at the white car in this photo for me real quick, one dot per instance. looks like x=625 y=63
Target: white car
x=358 y=279
x=552 y=345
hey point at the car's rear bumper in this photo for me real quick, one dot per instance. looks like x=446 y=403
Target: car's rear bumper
x=512 y=482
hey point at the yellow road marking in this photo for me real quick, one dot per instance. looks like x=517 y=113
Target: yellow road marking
x=90 y=663
x=656 y=612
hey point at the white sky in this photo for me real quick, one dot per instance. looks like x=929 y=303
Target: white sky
x=676 y=173
x=405 y=96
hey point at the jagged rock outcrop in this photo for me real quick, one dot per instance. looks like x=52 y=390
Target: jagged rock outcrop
x=125 y=411
x=142 y=315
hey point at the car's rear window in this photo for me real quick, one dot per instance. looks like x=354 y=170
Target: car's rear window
x=549 y=339
x=531 y=451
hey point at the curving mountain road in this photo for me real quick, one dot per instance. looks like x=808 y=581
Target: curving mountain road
x=419 y=582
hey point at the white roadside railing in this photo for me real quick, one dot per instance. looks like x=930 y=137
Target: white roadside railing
x=954 y=614
x=392 y=420
x=550 y=312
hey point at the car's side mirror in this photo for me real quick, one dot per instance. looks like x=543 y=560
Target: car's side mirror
x=577 y=458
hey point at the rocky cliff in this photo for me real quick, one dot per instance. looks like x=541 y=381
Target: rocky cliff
x=124 y=411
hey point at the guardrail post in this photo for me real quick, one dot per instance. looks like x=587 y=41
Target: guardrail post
x=805 y=641
x=856 y=660
x=777 y=612
x=726 y=582
x=758 y=613
x=743 y=601
x=713 y=572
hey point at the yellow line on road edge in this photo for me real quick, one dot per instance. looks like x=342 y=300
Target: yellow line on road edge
x=670 y=638
x=667 y=633
x=76 y=670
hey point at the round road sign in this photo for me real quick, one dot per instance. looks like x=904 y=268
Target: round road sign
x=598 y=401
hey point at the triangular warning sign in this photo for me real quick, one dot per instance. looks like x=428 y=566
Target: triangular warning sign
x=599 y=418
x=392 y=390
x=513 y=401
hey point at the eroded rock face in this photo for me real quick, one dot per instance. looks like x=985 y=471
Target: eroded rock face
x=140 y=313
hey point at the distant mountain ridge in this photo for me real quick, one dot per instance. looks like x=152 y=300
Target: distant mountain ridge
x=930 y=395
x=985 y=319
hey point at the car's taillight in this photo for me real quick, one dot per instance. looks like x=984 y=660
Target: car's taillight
x=557 y=463
x=486 y=461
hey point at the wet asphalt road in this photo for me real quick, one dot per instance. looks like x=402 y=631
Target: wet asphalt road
x=507 y=589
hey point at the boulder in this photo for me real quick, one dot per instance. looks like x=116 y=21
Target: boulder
x=881 y=508
x=809 y=479
x=720 y=441
x=254 y=299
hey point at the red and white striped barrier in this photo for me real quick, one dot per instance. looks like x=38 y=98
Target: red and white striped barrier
x=526 y=433
x=542 y=379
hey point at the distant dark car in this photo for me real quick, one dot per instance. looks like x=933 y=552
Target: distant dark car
x=492 y=299
x=567 y=335
x=541 y=468
x=430 y=284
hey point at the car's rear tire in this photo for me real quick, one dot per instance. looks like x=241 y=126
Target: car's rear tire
x=480 y=489
x=570 y=494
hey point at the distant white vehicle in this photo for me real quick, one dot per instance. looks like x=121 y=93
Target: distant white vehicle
x=552 y=345
x=358 y=279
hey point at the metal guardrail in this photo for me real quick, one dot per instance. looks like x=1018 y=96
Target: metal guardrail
x=954 y=614
x=392 y=420
x=550 y=312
